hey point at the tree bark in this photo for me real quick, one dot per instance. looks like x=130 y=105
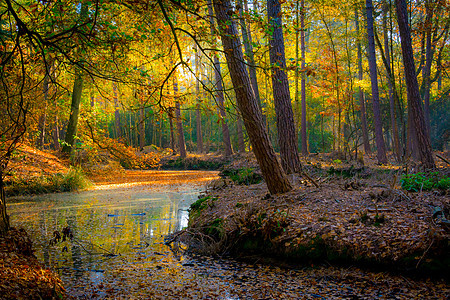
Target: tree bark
x=74 y=112
x=240 y=134
x=362 y=100
x=303 y=47
x=4 y=218
x=141 y=127
x=43 y=117
x=172 y=135
x=181 y=142
x=199 y=97
x=392 y=92
x=117 y=113
x=247 y=39
x=287 y=138
x=412 y=86
x=219 y=94
x=381 y=149
x=274 y=176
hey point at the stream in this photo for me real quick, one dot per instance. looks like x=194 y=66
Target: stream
x=118 y=251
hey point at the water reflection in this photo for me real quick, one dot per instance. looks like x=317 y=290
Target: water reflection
x=111 y=228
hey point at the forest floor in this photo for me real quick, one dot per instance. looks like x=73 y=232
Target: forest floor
x=359 y=215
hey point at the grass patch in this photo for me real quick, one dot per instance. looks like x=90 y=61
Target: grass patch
x=73 y=180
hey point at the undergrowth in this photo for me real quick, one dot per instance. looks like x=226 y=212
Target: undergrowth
x=424 y=182
x=74 y=179
x=244 y=176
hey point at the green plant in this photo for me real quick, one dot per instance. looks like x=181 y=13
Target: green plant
x=424 y=182
x=337 y=161
x=443 y=184
x=245 y=176
x=199 y=204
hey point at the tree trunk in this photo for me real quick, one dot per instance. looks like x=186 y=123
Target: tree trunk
x=43 y=117
x=287 y=139
x=117 y=113
x=4 y=218
x=172 y=135
x=412 y=86
x=141 y=127
x=392 y=92
x=426 y=71
x=303 y=46
x=181 y=142
x=199 y=97
x=381 y=150
x=274 y=176
x=74 y=112
x=76 y=99
x=362 y=100
x=219 y=94
x=297 y=108
x=247 y=39
x=240 y=134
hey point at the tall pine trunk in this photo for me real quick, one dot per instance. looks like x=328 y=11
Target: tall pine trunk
x=379 y=140
x=199 y=97
x=362 y=100
x=303 y=47
x=181 y=142
x=287 y=139
x=412 y=86
x=392 y=92
x=219 y=94
x=274 y=176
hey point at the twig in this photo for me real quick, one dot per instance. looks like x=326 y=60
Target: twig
x=310 y=179
x=425 y=253
x=437 y=155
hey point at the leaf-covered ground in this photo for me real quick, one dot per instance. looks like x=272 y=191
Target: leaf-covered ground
x=364 y=217
x=21 y=275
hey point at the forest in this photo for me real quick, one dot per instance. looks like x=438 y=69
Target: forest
x=287 y=92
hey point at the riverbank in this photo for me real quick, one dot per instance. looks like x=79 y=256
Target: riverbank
x=359 y=215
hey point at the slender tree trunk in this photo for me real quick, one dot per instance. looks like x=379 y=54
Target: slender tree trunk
x=219 y=94
x=362 y=100
x=74 y=112
x=172 y=137
x=287 y=139
x=117 y=113
x=181 y=142
x=392 y=93
x=55 y=133
x=199 y=97
x=274 y=176
x=43 y=117
x=297 y=108
x=426 y=71
x=418 y=119
x=240 y=134
x=141 y=127
x=247 y=39
x=381 y=149
x=4 y=218
x=303 y=130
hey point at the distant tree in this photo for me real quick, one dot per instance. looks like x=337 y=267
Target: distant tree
x=287 y=138
x=362 y=100
x=274 y=176
x=219 y=93
x=381 y=149
x=414 y=102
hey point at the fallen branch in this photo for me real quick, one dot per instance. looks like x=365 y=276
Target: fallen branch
x=437 y=155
